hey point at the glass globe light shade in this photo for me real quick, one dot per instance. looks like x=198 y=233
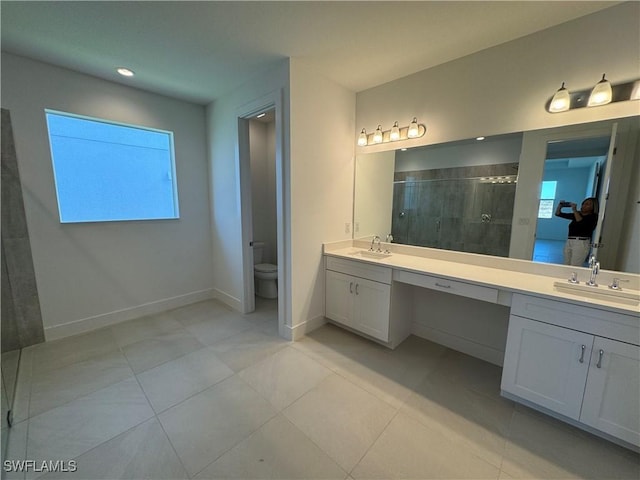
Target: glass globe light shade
x=414 y=129
x=561 y=101
x=395 y=132
x=601 y=93
x=377 y=136
x=362 y=138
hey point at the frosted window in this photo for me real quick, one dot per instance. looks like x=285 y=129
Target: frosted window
x=546 y=209
x=108 y=172
x=549 y=190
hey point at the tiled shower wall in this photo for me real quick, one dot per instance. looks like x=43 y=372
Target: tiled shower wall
x=21 y=317
x=456 y=208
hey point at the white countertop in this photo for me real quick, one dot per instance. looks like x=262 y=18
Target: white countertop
x=509 y=280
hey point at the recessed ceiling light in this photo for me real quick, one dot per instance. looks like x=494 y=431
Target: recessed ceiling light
x=125 y=72
x=479 y=138
x=261 y=115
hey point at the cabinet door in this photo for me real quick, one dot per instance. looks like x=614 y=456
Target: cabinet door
x=339 y=289
x=371 y=312
x=612 y=397
x=546 y=365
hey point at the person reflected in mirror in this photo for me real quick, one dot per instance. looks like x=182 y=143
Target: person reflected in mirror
x=583 y=223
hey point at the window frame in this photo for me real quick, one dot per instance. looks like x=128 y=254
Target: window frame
x=171 y=159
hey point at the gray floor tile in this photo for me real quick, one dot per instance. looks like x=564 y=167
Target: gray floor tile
x=208 y=424
x=407 y=449
x=341 y=418
x=57 y=387
x=278 y=450
x=219 y=328
x=154 y=351
x=284 y=376
x=247 y=348
x=142 y=452
x=68 y=431
x=174 y=381
x=133 y=331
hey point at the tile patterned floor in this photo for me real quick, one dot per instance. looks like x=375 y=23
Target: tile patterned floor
x=203 y=392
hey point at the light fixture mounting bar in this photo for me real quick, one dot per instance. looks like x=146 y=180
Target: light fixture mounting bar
x=621 y=92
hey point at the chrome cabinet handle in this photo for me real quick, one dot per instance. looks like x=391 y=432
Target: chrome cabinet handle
x=357 y=285
x=600 y=354
x=442 y=286
x=582 y=354
x=351 y=287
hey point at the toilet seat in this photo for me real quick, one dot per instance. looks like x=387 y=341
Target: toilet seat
x=265 y=268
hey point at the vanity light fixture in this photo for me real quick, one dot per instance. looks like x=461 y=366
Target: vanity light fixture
x=362 y=139
x=378 y=135
x=601 y=93
x=560 y=101
x=125 y=72
x=396 y=133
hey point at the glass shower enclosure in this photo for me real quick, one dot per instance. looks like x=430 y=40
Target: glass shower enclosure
x=466 y=209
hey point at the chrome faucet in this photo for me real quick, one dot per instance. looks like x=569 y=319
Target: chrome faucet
x=594 y=265
x=376 y=239
x=388 y=241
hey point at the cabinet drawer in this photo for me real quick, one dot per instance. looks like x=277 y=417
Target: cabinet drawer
x=359 y=269
x=617 y=326
x=470 y=290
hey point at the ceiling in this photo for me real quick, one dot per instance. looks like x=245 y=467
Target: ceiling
x=197 y=51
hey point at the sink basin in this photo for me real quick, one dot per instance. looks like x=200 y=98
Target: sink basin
x=602 y=292
x=370 y=254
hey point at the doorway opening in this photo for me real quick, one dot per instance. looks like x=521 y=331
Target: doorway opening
x=573 y=171
x=262 y=155
x=262 y=209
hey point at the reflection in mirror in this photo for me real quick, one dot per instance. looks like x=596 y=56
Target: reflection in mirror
x=457 y=196
x=573 y=171
x=441 y=196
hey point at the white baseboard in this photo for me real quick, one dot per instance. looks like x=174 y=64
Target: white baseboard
x=301 y=329
x=111 y=318
x=483 y=352
x=227 y=299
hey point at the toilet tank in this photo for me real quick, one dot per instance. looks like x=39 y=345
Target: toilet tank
x=258 y=247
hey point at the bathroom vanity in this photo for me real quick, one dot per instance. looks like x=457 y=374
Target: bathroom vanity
x=570 y=352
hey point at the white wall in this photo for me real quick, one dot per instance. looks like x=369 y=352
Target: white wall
x=93 y=274
x=224 y=182
x=505 y=88
x=322 y=169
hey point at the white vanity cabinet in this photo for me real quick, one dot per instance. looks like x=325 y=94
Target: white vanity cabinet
x=358 y=296
x=579 y=362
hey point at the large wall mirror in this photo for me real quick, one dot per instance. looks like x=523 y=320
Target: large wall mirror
x=498 y=195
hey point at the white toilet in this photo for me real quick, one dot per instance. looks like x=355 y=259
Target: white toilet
x=266 y=274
